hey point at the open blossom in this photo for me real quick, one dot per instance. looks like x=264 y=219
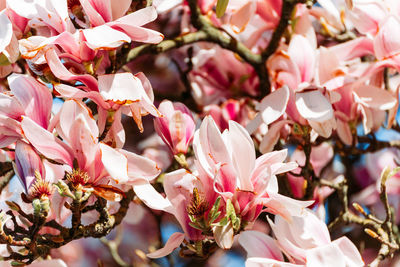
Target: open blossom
x=121 y=92
x=64 y=49
x=176 y=127
x=27 y=97
x=245 y=187
x=215 y=80
x=305 y=241
x=85 y=149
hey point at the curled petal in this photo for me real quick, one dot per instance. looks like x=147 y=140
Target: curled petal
x=61 y=72
x=224 y=235
x=105 y=37
x=173 y=242
x=313 y=105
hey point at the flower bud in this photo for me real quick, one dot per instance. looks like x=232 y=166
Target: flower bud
x=176 y=127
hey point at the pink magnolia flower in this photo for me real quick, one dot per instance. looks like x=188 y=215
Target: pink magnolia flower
x=121 y=92
x=47 y=16
x=97 y=162
x=27 y=97
x=214 y=80
x=250 y=184
x=86 y=44
x=177 y=126
x=306 y=104
x=306 y=240
x=37 y=177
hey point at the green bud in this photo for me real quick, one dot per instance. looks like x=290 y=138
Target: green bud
x=63 y=189
x=37 y=207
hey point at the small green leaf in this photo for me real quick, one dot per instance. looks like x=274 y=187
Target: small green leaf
x=214 y=217
x=215 y=207
x=222 y=222
x=236 y=223
x=221 y=7
x=196 y=226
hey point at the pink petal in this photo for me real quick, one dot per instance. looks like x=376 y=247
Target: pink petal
x=271 y=108
x=139 y=17
x=83 y=143
x=154 y=200
x=242 y=148
x=366 y=16
x=121 y=87
x=309 y=231
x=271 y=138
x=387 y=41
x=179 y=186
x=33 y=96
x=6 y=31
x=104 y=8
x=302 y=53
x=325 y=128
x=140 y=167
x=46 y=143
x=350 y=251
x=139 y=34
x=285 y=240
x=353 y=49
x=115 y=163
x=116 y=133
x=65 y=119
x=104 y=37
x=258 y=244
x=286 y=206
x=10 y=107
x=374 y=97
x=27 y=161
x=146 y=85
x=328 y=255
x=314 y=106
x=94 y=17
x=61 y=72
x=240 y=18
x=209 y=146
x=119 y=8
x=344 y=132
x=71 y=92
x=173 y=242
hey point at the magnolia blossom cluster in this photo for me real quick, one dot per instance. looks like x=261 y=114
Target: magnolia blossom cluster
x=237 y=163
